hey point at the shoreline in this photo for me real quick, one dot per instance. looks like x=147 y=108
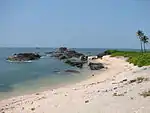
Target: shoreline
x=85 y=73
x=93 y=95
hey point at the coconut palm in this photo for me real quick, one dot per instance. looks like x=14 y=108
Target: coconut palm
x=145 y=41
x=140 y=34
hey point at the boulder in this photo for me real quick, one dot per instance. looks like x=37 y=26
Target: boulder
x=96 y=66
x=76 y=63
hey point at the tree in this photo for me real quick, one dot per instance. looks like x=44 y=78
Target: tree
x=140 y=35
x=145 y=41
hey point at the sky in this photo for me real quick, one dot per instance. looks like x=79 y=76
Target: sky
x=73 y=23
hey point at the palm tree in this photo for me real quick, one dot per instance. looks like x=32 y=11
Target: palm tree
x=145 y=41
x=140 y=34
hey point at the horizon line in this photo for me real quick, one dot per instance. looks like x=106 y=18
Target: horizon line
x=70 y=47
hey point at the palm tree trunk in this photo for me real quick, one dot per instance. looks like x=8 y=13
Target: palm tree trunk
x=141 y=47
x=144 y=47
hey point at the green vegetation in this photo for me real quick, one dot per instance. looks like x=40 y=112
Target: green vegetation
x=145 y=93
x=137 y=58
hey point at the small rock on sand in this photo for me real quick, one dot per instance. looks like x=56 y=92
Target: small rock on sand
x=87 y=101
x=32 y=109
x=37 y=94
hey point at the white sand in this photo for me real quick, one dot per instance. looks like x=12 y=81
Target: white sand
x=94 y=95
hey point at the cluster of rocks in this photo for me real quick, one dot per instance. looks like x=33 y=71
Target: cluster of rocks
x=24 y=57
x=70 y=57
x=76 y=59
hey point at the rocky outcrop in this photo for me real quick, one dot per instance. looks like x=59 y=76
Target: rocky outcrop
x=24 y=57
x=61 y=50
x=73 y=53
x=62 y=57
x=70 y=57
x=76 y=63
x=96 y=66
x=100 y=55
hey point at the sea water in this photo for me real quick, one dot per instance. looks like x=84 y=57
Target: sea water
x=18 y=78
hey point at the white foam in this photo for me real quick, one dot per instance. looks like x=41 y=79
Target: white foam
x=29 y=61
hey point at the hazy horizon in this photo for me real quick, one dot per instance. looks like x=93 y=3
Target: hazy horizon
x=71 y=48
x=73 y=24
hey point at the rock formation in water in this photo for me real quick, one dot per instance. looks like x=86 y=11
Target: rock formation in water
x=70 y=57
x=24 y=57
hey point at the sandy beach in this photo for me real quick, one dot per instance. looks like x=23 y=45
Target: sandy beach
x=114 y=90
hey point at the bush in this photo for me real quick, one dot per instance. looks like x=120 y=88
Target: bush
x=137 y=58
x=145 y=93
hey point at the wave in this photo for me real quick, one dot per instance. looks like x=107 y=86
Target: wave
x=29 y=61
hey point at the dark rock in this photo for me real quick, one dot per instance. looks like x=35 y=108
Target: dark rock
x=124 y=80
x=131 y=98
x=115 y=88
x=66 y=52
x=2 y=109
x=37 y=94
x=72 y=71
x=70 y=57
x=61 y=49
x=78 y=64
x=84 y=58
x=96 y=66
x=73 y=53
x=32 y=109
x=100 y=55
x=132 y=81
x=24 y=57
x=62 y=57
x=87 y=101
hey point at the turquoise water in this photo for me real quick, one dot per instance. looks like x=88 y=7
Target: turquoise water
x=20 y=78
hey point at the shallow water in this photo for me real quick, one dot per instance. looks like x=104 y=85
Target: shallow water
x=20 y=78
